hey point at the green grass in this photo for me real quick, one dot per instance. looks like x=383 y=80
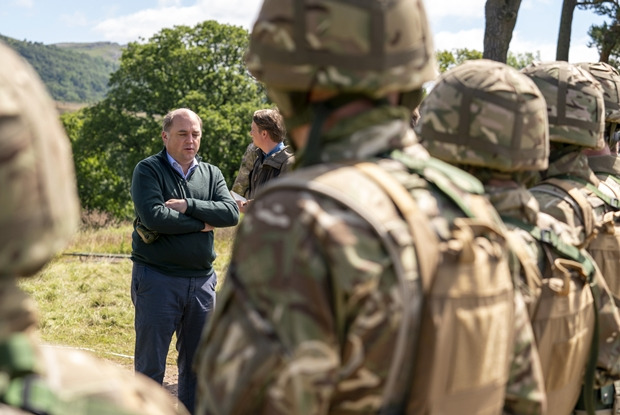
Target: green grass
x=84 y=302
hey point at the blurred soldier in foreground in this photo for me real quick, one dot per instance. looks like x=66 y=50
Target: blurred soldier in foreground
x=40 y=212
x=570 y=190
x=460 y=125
x=373 y=279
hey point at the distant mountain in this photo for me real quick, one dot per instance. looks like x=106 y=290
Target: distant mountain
x=72 y=72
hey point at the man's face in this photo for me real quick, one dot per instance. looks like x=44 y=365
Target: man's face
x=183 y=139
x=256 y=135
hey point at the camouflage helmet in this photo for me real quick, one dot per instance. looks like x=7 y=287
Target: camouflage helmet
x=40 y=208
x=609 y=79
x=486 y=114
x=370 y=47
x=574 y=103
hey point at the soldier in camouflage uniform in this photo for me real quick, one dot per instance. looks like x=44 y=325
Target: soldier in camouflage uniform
x=40 y=212
x=242 y=181
x=605 y=162
x=459 y=124
x=569 y=190
x=322 y=305
x=576 y=122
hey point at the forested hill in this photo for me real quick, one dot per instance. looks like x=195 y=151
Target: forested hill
x=72 y=72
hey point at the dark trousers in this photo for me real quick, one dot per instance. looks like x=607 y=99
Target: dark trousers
x=165 y=305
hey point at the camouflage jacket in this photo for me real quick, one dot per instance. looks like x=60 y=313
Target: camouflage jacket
x=556 y=203
x=242 y=181
x=269 y=168
x=607 y=169
x=309 y=311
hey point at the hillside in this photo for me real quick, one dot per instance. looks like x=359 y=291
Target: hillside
x=72 y=72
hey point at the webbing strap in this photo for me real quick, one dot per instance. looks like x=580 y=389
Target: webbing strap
x=611 y=201
x=547 y=236
x=587 y=213
x=588 y=377
x=445 y=173
x=423 y=234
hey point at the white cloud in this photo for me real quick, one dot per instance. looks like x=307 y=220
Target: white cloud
x=29 y=4
x=470 y=39
x=578 y=52
x=147 y=22
x=439 y=9
x=168 y=3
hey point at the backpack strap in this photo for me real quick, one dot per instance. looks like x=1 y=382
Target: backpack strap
x=427 y=252
x=611 y=201
x=587 y=214
x=549 y=237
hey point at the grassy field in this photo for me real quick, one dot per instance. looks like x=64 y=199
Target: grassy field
x=84 y=301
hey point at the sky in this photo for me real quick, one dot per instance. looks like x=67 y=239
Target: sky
x=455 y=23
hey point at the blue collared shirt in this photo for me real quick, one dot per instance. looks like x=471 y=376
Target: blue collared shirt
x=277 y=148
x=178 y=167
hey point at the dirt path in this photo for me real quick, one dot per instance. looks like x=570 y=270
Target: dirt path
x=171 y=379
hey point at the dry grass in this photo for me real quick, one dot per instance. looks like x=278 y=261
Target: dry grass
x=84 y=302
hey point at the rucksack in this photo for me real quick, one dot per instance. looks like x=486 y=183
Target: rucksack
x=455 y=344
x=603 y=242
x=564 y=305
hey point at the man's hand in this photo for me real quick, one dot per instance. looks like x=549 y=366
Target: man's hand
x=180 y=205
x=207 y=228
x=242 y=205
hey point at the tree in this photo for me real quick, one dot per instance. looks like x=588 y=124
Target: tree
x=606 y=37
x=500 y=20
x=200 y=68
x=448 y=59
x=564 y=34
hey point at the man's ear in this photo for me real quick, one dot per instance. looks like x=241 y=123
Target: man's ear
x=164 y=136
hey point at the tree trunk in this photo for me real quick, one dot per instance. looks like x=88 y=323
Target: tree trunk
x=500 y=20
x=566 y=24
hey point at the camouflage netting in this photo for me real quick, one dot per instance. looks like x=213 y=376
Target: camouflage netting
x=574 y=103
x=487 y=114
x=40 y=207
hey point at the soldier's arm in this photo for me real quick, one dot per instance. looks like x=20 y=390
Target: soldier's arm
x=242 y=181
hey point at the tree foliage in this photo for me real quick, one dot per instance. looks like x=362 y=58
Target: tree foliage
x=606 y=37
x=69 y=75
x=200 y=68
x=449 y=59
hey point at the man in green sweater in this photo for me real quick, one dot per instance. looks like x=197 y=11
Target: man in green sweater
x=178 y=200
